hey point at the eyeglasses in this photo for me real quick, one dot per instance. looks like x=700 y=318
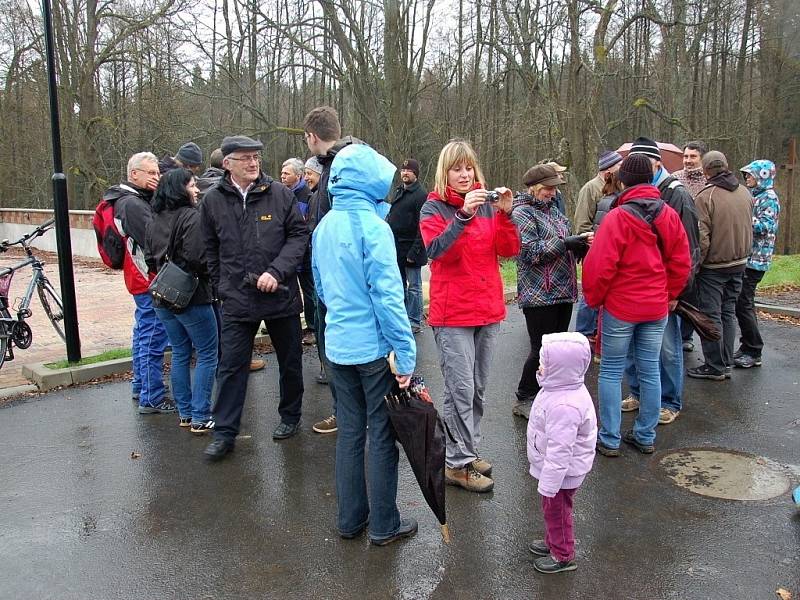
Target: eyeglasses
x=248 y=158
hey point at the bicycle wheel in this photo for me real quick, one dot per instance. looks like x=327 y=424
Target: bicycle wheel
x=52 y=306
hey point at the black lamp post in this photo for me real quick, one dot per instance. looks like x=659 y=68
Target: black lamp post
x=61 y=202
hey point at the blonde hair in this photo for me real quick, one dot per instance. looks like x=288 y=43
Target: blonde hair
x=454 y=153
x=534 y=189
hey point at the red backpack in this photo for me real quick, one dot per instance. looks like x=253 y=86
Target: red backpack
x=110 y=243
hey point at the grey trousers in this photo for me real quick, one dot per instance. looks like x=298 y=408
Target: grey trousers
x=465 y=355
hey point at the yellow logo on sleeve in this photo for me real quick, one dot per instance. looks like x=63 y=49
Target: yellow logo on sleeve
x=265 y=218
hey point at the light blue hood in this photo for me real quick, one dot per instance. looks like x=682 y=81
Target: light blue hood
x=360 y=177
x=354 y=262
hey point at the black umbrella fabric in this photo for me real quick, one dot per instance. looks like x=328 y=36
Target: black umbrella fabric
x=705 y=327
x=421 y=433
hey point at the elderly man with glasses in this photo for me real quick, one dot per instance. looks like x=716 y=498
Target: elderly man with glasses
x=255 y=239
x=132 y=213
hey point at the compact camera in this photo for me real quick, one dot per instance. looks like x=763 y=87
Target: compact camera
x=492 y=196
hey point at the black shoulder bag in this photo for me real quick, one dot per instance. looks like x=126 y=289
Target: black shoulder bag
x=172 y=287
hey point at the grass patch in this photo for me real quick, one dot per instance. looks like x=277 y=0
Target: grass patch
x=508 y=271
x=90 y=360
x=784 y=271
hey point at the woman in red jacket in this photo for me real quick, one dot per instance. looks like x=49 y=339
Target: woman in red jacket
x=635 y=269
x=465 y=228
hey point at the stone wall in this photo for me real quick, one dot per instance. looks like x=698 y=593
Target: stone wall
x=16 y=222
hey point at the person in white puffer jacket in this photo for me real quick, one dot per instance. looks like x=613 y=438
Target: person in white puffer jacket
x=562 y=432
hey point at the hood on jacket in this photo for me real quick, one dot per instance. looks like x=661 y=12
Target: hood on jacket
x=763 y=171
x=115 y=192
x=212 y=172
x=726 y=180
x=359 y=173
x=347 y=140
x=564 y=360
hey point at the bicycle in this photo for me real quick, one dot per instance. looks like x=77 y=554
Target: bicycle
x=14 y=331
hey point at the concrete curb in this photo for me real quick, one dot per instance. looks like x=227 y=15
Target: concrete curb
x=785 y=311
x=46 y=378
x=17 y=390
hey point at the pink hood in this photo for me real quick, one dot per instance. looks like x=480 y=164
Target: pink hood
x=562 y=430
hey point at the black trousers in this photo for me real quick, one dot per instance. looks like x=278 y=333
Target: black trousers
x=306 y=280
x=539 y=321
x=234 y=371
x=750 y=341
x=718 y=294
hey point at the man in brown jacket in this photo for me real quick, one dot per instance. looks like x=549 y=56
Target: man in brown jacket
x=724 y=212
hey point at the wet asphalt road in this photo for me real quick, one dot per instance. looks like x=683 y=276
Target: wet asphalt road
x=82 y=520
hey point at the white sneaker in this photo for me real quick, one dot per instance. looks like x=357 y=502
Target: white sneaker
x=630 y=404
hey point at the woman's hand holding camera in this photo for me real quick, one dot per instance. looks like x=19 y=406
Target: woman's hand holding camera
x=474 y=199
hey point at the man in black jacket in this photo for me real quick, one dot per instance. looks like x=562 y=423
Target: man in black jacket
x=404 y=220
x=677 y=196
x=255 y=239
x=323 y=135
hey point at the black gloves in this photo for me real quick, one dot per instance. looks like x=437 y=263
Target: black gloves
x=576 y=244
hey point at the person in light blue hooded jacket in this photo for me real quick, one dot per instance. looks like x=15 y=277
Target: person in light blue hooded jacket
x=356 y=276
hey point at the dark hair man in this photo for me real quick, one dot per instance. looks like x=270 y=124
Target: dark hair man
x=322 y=133
x=691 y=175
x=403 y=218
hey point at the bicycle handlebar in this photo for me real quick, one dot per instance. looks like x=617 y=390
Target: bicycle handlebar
x=40 y=230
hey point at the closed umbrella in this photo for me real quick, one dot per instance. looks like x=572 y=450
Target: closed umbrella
x=420 y=431
x=705 y=327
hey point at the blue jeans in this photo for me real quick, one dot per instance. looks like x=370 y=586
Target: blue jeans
x=414 y=295
x=361 y=412
x=586 y=319
x=148 y=344
x=671 y=366
x=194 y=327
x=617 y=336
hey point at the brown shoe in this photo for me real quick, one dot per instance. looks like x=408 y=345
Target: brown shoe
x=257 y=364
x=326 y=425
x=468 y=478
x=482 y=466
x=309 y=339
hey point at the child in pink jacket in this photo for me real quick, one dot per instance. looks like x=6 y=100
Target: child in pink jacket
x=562 y=433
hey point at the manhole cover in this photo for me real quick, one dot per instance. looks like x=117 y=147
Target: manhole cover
x=725 y=474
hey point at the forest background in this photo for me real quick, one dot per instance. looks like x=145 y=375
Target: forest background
x=524 y=80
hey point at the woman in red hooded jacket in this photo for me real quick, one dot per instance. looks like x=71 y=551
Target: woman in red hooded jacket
x=465 y=228
x=635 y=270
